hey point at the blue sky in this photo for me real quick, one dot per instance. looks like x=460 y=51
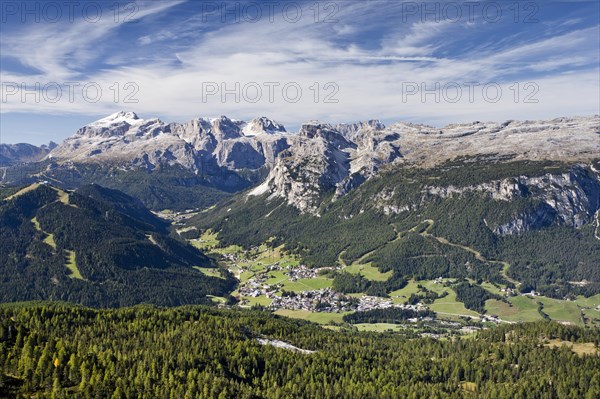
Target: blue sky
x=293 y=61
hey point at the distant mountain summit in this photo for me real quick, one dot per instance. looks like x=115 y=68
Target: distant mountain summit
x=11 y=154
x=123 y=138
x=262 y=125
x=230 y=155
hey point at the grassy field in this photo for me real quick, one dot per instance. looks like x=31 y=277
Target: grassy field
x=561 y=310
x=259 y=300
x=368 y=271
x=450 y=305
x=71 y=264
x=217 y=299
x=590 y=302
x=402 y=295
x=268 y=256
x=581 y=348
x=209 y=271
x=432 y=286
x=447 y=304
x=304 y=284
x=307 y=284
x=63 y=196
x=491 y=288
x=523 y=309
x=36 y=224
x=526 y=309
x=49 y=239
x=207 y=240
x=501 y=309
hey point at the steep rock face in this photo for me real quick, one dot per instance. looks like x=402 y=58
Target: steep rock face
x=372 y=146
x=323 y=159
x=318 y=159
x=250 y=152
x=198 y=133
x=224 y=128
x=123 y=139
x=570 y=199
x=353 y=131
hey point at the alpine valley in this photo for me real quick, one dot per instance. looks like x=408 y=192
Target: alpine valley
x=391 y=236
x=479 y=220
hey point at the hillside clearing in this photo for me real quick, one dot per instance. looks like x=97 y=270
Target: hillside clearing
x=71 y=264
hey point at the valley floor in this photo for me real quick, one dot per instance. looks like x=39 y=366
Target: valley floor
x=277 y=280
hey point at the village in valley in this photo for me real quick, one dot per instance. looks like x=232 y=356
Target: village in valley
x=276 y=280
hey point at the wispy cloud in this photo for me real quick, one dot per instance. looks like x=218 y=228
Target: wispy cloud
x=62 y=50
x=368 y=55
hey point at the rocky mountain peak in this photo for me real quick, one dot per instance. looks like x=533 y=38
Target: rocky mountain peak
x=351 y=130
x=117 y=118
x=321 y=156
x=224 y=128
x=116 y=124
x=314 y=128
x=326 y=132
x=49 y=147
x=262 y=125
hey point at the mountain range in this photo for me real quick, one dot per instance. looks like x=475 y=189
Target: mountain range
x=225 y=155
x=515 y=203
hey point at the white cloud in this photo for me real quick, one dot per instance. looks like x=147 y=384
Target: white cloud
x=59 y=50
x=370 y=81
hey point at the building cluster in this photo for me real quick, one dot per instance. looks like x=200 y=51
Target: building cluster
x=323 y=300
x=301 y=271
x=508 y=291
x=258 y=286
x=374 y=302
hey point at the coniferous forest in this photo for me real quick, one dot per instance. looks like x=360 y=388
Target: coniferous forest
x=97 y=247
x=300 y=199
x=65 y=351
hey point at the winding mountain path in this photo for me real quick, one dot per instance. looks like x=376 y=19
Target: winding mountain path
x=478 y=255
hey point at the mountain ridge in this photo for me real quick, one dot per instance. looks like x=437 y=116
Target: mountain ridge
x=232 y=155
x=98 y=247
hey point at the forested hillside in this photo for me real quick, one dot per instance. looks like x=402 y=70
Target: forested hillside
x=60 y=351
x=481 y=219
x=98 y=247
x=172 y=188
